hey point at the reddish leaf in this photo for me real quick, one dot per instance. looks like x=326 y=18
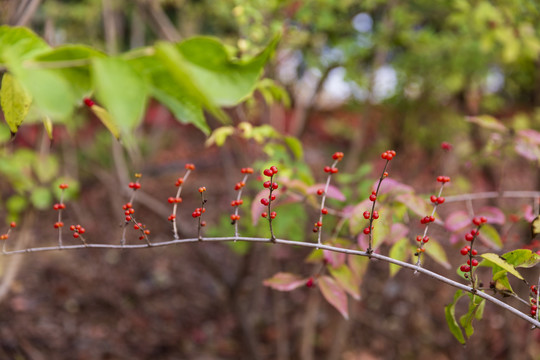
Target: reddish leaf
x=357 y=222
x=415 y=203
x=332 y=192
x=284 y=281
x=333 y=258
x=390 y=185
x=334 y=294
x=346 y=280
x=493 y=215
x=457 y=221
x=397 y=231
x=257 y=208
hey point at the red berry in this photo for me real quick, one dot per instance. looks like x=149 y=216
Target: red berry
x=324 y=211
x=446 y=146
x=440 y=200
x=275 y=186
x=419 y=238
x=239 y=202
x=366 y=214
x=327 y=169
x=318 y=224
x=432 y=218
x=385 y=174
x=320 y=192
x=147 y=232
x=265 y=201
x=440 y=179
x=273 y=214
x=233 y=217
x=88 y=102
x=267 y=184
x=469 y=237
x=274 y=169
x=179 y=181
x=384 y=155
x=136 y=227
x=128 y=218
x=425 y=239
x=483 y=219
x=202 y=189
x=309 y=282
x=367 y=231
x=433 y=199
x=190 y=167
x=334 y=170
x=56 y=206
x=372 y=197
x=264 y=214
x=171 y=200
x=474 y=262
x=464 y=268
x=375 y=215
x=82 y=230
x=203 y=223
x=72 y=228
x=476 y=221
x=75 y=235
x=464 y=251
x=63 y=186
x=268 y=172
x=13 y=224
x=474 y=252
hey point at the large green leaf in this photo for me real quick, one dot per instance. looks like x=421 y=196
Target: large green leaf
x=72 y=62
x=19 y=43
x=224 y=80
x=15 y=101
x=499 y=261
x=450 y=314
x=476 y=309
x=122 y=91
x=522 y=258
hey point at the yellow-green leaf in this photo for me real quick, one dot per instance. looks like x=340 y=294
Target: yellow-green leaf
x=499 y=261
x=399 y=251
x=15 y=101
x=106 y=119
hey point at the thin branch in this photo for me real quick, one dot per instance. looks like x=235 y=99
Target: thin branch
x=409 y=266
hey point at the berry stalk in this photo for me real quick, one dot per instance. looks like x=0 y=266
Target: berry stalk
x=236 y=203
x=271 y=186
x=134 y=186
x=177 y=199
x=5 y=236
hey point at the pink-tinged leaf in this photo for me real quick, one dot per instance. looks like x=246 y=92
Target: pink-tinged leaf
x=527 y=149
x=334 y=259
x=334 y=294
x=435 y=251
x=415 y=203
x=357 y=222
x=490 y=237
x=487 y=122
x=381 y=228
x=284 y=281
x=532 y=136
x=358 y=266
x=346 y=280
x=397 y=231
x=457 y=221
x=454 y=238
x=390 y=185
x=528 y=213
x=493 y=215
x=332 y=192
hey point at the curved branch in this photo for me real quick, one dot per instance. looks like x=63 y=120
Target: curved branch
x=409 y=266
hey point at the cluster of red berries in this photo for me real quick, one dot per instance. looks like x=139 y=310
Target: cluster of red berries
x=337 y=156
x=235 y=203
x=533 y=297
x=78 y=230
x=479 y=220
x=443 y=179
x=437 y=200
x=427 y=219
x=134 y=185
x=11 y=226
x=388 y=155
x=59 y=206
x=367 y=215
x=468 y=250
x=446 y=146
x=128 y=211
x=88 y=102
x=422 y=239
x=143 y=229
x=331 y=170
x=198 y=212
x=239 y=185
x=179 y=181
x=189 y=167
x=310 y=282
x=247 y=170
x=174 y=200
x=373 y=196
x=270 y=172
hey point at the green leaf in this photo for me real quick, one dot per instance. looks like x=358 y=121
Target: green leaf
x=475 y=304
x=490 y=236
x=381 y=227
x=499 y=261
x=450 y=315
x=16 y=204
x=296 y=147
x=48 y=125
x=232 y=80
x=522 y=258
x=220 y=135
x=51 y=93
x=315 y=257
x=346 y=279
x=358 y=266
x=399 y=251
x=176 y=67
x=78 y=75
x=284 y=281
x=15 y=101
x=121 y=90
x=334 y=294
x=435 y=251
x=487 y=122
x=106 y=119
x=19 y=43
x=46 y=168
x=41 y=198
